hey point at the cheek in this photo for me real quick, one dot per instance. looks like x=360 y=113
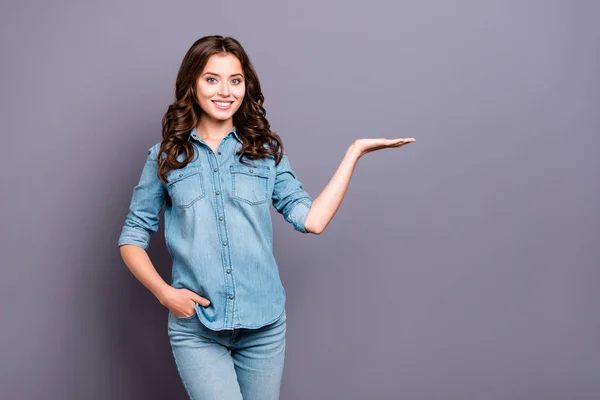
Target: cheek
x=239 y=92
x=240 y=100
x=205 y=92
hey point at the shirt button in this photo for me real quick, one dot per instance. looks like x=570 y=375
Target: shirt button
x=228 y=270
x=224 y=243
x=219 y=153
x=216 y=169
x=250 y=170
x=217 y=192
x=231 y=296
x=220 y=218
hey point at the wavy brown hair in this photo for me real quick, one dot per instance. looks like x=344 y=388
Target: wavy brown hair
x=183 y=115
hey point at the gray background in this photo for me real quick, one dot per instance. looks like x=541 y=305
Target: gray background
x=462 y=266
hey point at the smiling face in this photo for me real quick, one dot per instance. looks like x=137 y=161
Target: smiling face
x=221 y=86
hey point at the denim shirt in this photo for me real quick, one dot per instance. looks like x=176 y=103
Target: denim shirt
x=218 y=228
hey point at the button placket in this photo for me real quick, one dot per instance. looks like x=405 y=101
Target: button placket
x=220 y=211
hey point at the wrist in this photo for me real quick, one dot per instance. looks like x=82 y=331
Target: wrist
x=162 y=292
x=353 y=152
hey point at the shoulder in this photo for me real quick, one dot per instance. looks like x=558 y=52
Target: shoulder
x=154 y=149
x=282 y=150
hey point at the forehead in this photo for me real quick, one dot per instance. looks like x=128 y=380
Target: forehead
x=223 y=63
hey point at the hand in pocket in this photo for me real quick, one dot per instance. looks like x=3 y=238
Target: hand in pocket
x=182 y=302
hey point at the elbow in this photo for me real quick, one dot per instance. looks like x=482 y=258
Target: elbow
x=315 y=230
x=311 y=223
x=313 y=226
x=125 y=250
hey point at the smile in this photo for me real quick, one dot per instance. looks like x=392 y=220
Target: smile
x=222 y=105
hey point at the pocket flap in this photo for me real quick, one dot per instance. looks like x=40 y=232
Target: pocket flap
x=175 y=175
x=259 y=170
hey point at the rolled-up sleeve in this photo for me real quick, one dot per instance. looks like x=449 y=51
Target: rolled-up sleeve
x=289 y=197
x=145 y=206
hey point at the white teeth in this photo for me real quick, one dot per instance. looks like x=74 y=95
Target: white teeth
x=222 y=104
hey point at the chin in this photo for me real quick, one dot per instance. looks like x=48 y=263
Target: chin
x=218 y=117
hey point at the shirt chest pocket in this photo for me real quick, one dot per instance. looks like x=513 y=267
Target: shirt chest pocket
x=185 y=186
x=250 y=184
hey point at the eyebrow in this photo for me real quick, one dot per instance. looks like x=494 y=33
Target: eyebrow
x=212 y=73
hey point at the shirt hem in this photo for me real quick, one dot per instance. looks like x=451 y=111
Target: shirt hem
x=238 y=326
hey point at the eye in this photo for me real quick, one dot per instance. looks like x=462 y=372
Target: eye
x=239 y=81
x=208 y=79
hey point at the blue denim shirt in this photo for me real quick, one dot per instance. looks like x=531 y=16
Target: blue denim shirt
x=218 y=228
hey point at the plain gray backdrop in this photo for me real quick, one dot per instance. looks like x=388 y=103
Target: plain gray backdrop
x=462 y=266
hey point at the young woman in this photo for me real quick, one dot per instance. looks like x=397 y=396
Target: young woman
x=217 y=169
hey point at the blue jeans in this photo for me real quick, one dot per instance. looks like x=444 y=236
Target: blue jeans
x=229 y=364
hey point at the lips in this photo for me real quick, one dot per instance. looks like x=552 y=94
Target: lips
x=222 y=105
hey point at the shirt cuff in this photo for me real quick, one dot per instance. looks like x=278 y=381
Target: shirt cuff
x=137 y=237
x=299 y=213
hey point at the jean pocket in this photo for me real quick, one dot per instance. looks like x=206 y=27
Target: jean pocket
x=250 y=184
x=185 y=186
x=189 y=317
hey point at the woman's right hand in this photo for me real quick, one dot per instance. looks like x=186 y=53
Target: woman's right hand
x=182 y=302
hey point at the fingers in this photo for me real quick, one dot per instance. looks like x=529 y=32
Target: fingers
x=197 y=298
x=401 y=141
x=201 y=300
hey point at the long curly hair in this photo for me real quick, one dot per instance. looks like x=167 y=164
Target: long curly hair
x=183 y=115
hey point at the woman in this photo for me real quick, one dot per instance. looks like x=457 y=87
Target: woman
x=220 y=168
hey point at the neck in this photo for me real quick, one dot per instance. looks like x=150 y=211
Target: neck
x=213 y=129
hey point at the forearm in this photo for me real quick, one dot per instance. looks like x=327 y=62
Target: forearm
x=138 y=262
x=329 y=200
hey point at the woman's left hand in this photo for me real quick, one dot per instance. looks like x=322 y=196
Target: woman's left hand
x=364 y=146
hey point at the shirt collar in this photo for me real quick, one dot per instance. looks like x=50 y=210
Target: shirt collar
x=233 y=132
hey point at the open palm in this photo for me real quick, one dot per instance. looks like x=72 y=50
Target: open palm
x=364 y=146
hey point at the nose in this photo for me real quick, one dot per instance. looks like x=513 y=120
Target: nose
x=224 y=89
